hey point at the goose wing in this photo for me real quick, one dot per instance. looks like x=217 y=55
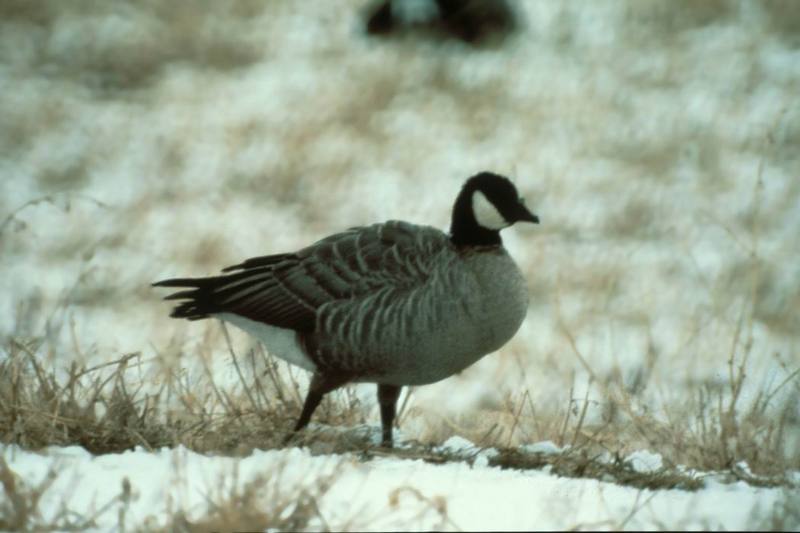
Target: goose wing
x=287 y=290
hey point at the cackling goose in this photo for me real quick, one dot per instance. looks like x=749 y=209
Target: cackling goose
x=471 y=21
x=393 y=303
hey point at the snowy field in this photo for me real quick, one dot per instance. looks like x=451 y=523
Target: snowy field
x=382 y=495
x=658 y=141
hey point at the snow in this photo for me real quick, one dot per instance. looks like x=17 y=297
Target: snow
x=457 y=444
x=383 y=494
x=645 y=461
x=546 y=447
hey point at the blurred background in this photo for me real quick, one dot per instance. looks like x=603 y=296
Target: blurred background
x=658 y=140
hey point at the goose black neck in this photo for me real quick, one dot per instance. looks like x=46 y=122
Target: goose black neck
x=465 y=230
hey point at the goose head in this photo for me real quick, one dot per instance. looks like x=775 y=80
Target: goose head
x=487 y=203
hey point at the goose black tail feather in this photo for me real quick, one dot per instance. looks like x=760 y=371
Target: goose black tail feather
x=197 y=304
x=204 y=296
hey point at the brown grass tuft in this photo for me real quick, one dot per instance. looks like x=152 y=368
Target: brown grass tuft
x=258 y=505
x=147 y=37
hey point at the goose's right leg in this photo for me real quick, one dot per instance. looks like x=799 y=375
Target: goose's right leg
x=321 y=384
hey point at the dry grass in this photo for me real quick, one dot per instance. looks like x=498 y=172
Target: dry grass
x=260 y=504
x=784 y=17
x=20 y=511
x=713 y=429
x=150 y=36
x=709 y=425
x=666 y=18
x=105 y=408
x=87 y=407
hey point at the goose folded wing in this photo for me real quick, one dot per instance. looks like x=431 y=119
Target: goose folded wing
x=287 y=290
x=344 y=266
x=362 y=260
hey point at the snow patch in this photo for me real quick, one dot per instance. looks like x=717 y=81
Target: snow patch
x=546 y=447
x=644 y=461
x=464 y=448
x=457 y=444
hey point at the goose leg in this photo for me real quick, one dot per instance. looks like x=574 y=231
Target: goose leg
x=387 y=398
x=321 y=384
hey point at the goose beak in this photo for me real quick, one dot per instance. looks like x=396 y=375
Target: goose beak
x=524 y=215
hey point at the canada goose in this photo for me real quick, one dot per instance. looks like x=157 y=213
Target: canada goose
x=471 y=21
x=393 y=303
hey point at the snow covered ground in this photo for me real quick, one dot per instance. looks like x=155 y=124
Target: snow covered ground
x=384 y=494
x=659 y=142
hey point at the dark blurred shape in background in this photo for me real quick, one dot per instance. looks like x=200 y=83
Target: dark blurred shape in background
x=473 y=21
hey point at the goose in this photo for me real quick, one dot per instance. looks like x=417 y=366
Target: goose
x=471 y=21
x=393 y=303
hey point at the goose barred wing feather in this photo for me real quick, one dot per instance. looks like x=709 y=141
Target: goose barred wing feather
x=287 y=290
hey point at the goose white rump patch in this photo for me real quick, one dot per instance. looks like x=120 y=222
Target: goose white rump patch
x=486 y=214
x=280 y=342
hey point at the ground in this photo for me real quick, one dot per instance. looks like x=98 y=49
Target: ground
x=658 y=141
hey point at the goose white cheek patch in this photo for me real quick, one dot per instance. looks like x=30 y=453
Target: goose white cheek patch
x=486 y=214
